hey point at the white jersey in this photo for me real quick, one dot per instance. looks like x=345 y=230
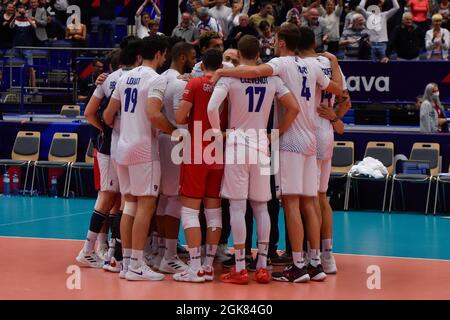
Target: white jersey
x=250 y=102
x=324 y=131
x=105 y=90
x=197 y=71
x=302 y=78
x=138 y=141
x=172 y=96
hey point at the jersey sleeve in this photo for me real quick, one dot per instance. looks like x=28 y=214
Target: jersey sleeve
x=188 y=94
x=223 y=84
x=281 y=88
x=322 y=80
x=157 y=87
x=116 y=93
x=178 y=95
x=277 y=65
x=99 y=92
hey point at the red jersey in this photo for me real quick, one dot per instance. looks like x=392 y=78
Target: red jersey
x=198 y=91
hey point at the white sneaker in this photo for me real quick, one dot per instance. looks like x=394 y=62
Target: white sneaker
x=209 y=273
x=144 y=273
x=190 y=275
x=148 y=259
x=174 y=265
x=90 y=260
x=329 y=264
x=155 y=261
x=102 y=251
x=123 y=270
x=222 y=253
x=114 y=266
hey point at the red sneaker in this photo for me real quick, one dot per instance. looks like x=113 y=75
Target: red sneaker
x=235 y=277
x=262 y=276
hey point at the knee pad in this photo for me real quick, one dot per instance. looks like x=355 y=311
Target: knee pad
x=173 y=207
x=213 y=218
x=189 y=218
x=130 y=208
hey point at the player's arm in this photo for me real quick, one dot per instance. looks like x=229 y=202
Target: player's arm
x=111 y=110
x=91 y=112
x=344 y=104
x=289 y=102
x=182 y=114
x=217 y=98
x=156 y=117
x=262 y=70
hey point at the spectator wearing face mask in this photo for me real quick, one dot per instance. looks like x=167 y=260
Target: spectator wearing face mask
x=432 y=114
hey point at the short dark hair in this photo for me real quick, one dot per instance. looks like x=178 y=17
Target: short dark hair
x=130 y=52
x=307 y=39
x=181 y=48
x=95 y=61
x=126 y=40
x=263 y=24
x=113 y=59
x=153 y=44
x=248 y=47
x=206 y=37
x=212 y=59
x=290 y=34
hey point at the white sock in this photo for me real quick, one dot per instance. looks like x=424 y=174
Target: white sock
x=161 y=246
x=195 y=258
x=155 y=243
x=298 y=259
x=136 y=258
x=240 y=259
x=89 y=244
x=102 y=238
x=211 y=250
x=126 y=257
x=262 y=256
x=314 y=257
x=171 y=248
x=327 y=247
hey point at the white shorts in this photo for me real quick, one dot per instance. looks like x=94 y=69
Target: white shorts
x=246 y=181
x=169 y=206
x=141 y=179
x=298 y=174
x=108 y=174
x=170 y=177
x=323 y=174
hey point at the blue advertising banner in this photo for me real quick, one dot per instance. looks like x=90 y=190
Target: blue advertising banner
x=396 y=81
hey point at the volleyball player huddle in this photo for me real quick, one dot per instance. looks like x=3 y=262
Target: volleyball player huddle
x=192 y=143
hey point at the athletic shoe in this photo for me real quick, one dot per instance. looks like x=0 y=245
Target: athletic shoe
x=231 y=261
x=173 y=265
x=316 y=273
x=292 y=274
x=123 y=271
x=182 y=251
x=283 y=260
x=329 y=264
x=114 y=266
x=235 y=277
x=90 y=260
x=190 y=275
x=209 y=273
x=105 y=265
x=148 y=259
x=155 y=261
x=222 y=253
x=143 y=273
x=252 y=265
x=262 y=276
x=102 y=251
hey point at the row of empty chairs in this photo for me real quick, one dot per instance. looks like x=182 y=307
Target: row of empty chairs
x=62 y=154
x=343 y=160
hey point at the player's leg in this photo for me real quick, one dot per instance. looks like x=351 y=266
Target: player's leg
x=158 y=235
x=213 y=215
x=116 y=258
x=113 y=215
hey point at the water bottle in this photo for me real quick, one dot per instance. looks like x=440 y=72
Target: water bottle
x=54 y=187
x=15 y=185
x=6 y=185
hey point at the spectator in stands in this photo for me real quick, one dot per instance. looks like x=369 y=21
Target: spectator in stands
x=206 y=23
x=265 y=14
x=231 y=56
x=332 y=19
x=107 y=23
x=267 y=41
x=38 y=15
x=185 y=29
x=293 y=16
x=154 y=28
x=437 y=40
x=377 y=25
x=352 y=5
x=444 y=10
x=60 y=9
x=76 y=33
x=356 y=39
x=87 y=85
x=143 y=20
x=432 y=114
x=406 y=40
x=241 y=30
x=420 y=10
x=318 y=26
x=23 y=28
x=238 y=8
x=419 y=100
x=54 y=30
x=221 y=12
x=6 y=40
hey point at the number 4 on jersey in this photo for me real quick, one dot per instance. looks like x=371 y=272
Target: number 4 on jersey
x=306 y=92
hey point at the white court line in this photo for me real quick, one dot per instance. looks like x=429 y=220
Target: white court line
x=43 y=219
